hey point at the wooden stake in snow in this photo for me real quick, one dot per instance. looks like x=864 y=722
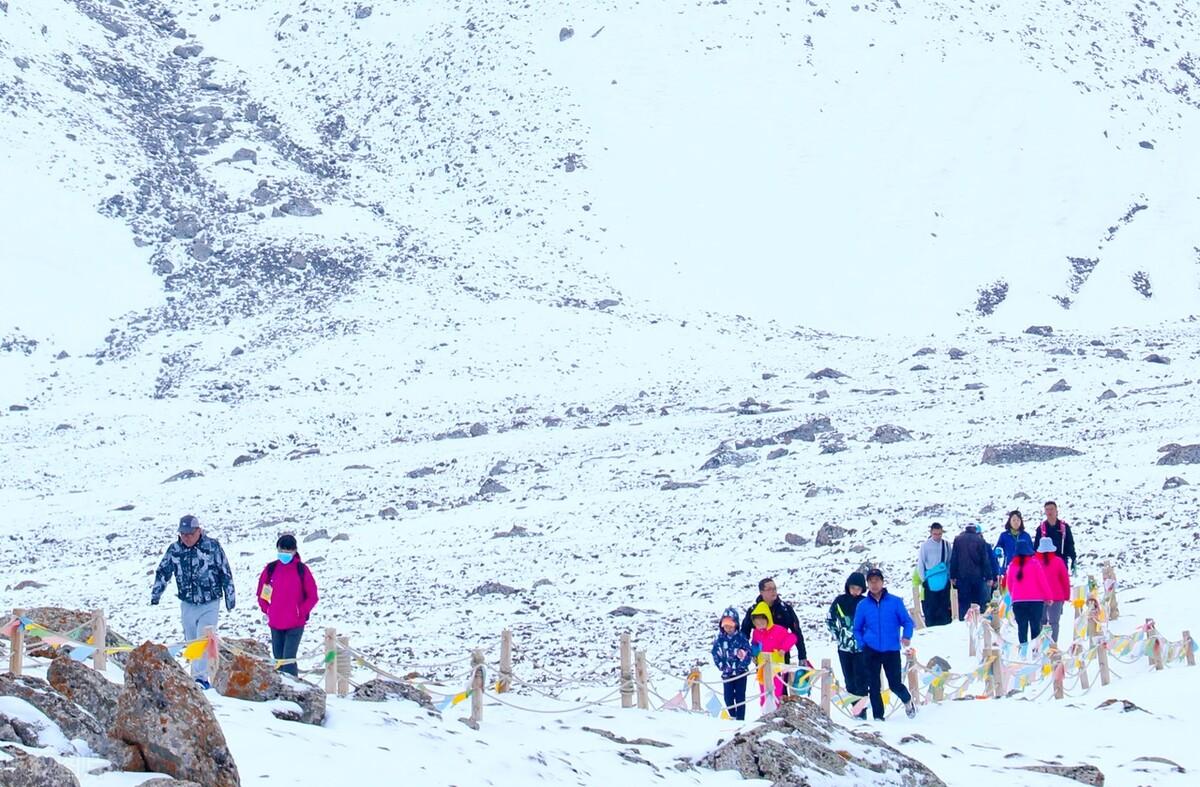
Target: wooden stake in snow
x=1110 y=591
x=642 y=677
x=477 y=678
x=694 y=684
x=214 y=653
x=505 y=682
x=1189 y=648
x=827 y=685
x=331 y=661
x=770 y=701
x=99 y=640
x=1102 y=657
x=953 y=603
x=913 y=680
x=626 y=672
x=16 y=645
x=343 y=666
x=1080 y=655
x=996 y=673
x=1057 y=673
x=917 y=616
x=972 y=627
x=1154 y=645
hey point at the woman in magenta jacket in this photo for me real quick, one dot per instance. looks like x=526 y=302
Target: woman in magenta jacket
x=286 y=594
x=1058 y=584
x=1027 y=585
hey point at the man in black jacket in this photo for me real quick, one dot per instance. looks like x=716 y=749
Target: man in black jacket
x=781 y=612
x=971 y=570
x=1060 y=533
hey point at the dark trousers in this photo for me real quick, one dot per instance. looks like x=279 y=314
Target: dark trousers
x=735 y=697
x=854 y=670
x=972 y=591
x=285 y=644
x=889 y=661
x=1029 y=619
x=936 y=606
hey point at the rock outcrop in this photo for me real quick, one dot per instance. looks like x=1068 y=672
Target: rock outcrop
x=245 y=672
x=798 y=746
x=25 y=770
x=163 y=712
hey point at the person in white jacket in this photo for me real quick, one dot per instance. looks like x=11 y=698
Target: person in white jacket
x=933 y=567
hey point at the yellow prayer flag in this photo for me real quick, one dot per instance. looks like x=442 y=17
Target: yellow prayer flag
x=195 y=650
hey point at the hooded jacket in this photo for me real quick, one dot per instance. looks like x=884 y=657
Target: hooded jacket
x=1064 y=541
x=201 y=573
x=774 y=641
x=1025 y=579
x=971 y=560
x=731 y=652
x=1054 y=574
x=782 y=614
x=877 y=624
x=841 y=615
x=1008 y=542
x=289 y=596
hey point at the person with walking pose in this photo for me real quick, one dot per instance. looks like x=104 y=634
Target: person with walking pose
x=882 y=626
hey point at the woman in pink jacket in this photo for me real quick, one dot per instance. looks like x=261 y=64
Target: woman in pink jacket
x=286 y=594
x=769 y=641
x=1027 y=585
x=1058 y=584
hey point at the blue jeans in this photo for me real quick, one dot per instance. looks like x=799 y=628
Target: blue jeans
x=197 y=617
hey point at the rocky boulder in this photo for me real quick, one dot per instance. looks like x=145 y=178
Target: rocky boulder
x=163 y=712
x=798 y=746
x=1084 y=774
x=829 y=534
x=75 y=722
x=890 y=433
x=380 y=690
x=1180 y=455
x=728 y=459
x=25 y=770
x=246 y=672
x=1017 y=453
x=86 y=687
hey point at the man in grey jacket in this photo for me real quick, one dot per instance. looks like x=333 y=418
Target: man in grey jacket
x=202 y=576
x=933 y=562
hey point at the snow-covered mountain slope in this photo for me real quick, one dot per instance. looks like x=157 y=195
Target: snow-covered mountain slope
x=537 y=228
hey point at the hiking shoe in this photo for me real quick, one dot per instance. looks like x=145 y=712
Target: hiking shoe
x=910 y=709
x=204 y=684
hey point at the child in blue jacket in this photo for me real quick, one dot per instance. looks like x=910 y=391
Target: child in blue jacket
x=731 y=654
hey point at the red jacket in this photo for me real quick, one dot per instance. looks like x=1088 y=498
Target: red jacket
x=1032 y=583
x=287 y=607
x=1054 y=572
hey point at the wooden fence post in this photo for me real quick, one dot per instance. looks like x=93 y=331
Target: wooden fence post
x=1080 y=655
x=330 y=663
x=1110 y=591
x=827 y=685
x=1152 y=637
x=953 y=603
x=640 y=675
x=99 y=640
x=1056 y=673
x=344 y=665
x=1078 y=596
x=694 y=684
x=917 y=615
x=626 y=672
x=987 y=638
x=913 y=679
x=972 y=627
x=505 y=682
x=214 y=658
x=770 y=701
x=16 y=645
x=1102 y=657
x=937 y=689
x=477 y=678
x=1189 y=648
x=996 y=673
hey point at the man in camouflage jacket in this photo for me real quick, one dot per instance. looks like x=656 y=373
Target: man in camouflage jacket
x=202 y=576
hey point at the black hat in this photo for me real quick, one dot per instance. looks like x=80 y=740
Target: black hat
x=856 y=579
x=188 y=524
x=874 y=572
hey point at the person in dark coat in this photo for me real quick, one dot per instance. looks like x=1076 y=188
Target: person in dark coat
x=781 y=613
x=1059 y=532
x=841 y=625
x=972 y=570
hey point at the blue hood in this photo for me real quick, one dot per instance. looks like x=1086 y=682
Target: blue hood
x=730 y=612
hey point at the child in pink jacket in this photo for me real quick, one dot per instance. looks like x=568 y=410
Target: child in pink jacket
x=769 y=641
x=1026 y=584
x=286 y=594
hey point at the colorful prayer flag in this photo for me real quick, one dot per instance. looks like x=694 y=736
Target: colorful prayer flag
x=81 y=652
x=195 y=650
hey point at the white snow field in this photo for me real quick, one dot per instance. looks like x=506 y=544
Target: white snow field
x=437 y=272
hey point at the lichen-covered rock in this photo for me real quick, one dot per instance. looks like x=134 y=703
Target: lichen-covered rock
x=163 y=712
x=798 y=746
x=86 y=687
x=245 y=672
x=1017 y=453
x=1084 y=774
x=380 y=690
x=1181 y=455
x=25 y=770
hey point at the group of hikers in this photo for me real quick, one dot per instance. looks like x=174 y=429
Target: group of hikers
x=871 y=626
x=286 y=592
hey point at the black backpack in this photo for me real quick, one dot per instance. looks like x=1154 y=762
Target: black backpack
x=299 y=569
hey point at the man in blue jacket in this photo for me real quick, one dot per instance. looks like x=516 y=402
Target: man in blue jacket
x=878 y=621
